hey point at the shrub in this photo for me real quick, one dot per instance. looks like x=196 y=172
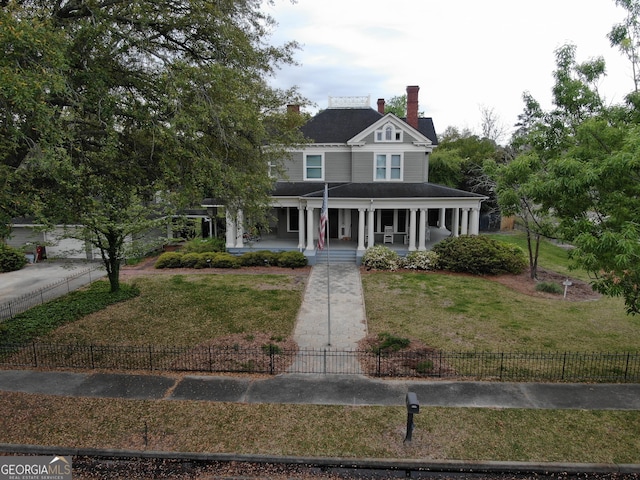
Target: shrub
x=380 y=258
x=258 y=259
x=424 y=367
x=224 y=260
x=292 y=260
x=11 y=259
x=423 y=260
x=388 y=342
x=204 y=260
x=169 y=260
x=190 y=260
x=549 y=287
x=479 y=255
x=204 y=245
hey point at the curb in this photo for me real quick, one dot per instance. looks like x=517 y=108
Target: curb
x=459 y=466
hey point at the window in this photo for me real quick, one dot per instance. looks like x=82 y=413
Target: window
x=313 y=167
x=388 y=167
x=388 y=133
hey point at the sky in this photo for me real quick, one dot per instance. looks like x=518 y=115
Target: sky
x=465 y=55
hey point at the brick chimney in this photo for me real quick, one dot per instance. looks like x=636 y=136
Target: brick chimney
x=412 y=106
x=293 y=108
x=381 y=105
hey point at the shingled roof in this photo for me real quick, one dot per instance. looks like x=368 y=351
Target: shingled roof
x=338 y=125
x=369 y=190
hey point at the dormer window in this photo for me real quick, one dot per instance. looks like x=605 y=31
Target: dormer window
x=388 y=133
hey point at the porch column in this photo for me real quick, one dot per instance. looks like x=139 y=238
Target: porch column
x=455 y=223
x=422 y=229
x=441 y=219
x=239 y=229
x=412 y=230
x=301 y=227
x=310 y=228
x=474 y=224
x=361 y=212
x=465 y=222
x=370 y=227
x=231 y=229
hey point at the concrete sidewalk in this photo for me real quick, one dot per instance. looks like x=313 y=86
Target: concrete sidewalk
x=325 y=390
x=332 y=316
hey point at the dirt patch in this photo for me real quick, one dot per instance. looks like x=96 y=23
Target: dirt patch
x=256 y=351
x=578 y=291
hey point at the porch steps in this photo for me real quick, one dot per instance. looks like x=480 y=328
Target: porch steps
x=336 y=256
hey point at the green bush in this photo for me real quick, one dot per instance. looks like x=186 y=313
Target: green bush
x=390 y=343
x=204 y=245
x=380 y=258
x=190 y=260
x=422 y=260
x=424 y=367
x=169 y=260
x=11 y=259
x=549 y=287
x=479 y=255
x=260 y=258
x=292 y=260
x=224 y=260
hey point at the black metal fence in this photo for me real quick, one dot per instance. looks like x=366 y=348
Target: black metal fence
x=525 y=366
x=56 y=289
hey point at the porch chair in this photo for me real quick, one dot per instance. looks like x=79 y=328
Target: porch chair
x=388 y=234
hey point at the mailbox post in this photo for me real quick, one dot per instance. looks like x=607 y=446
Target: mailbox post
x=413 y=406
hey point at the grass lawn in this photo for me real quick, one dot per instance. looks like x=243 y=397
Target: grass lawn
x=317 y=430
x=445 y=311
x=466 y=313
x=186 y=310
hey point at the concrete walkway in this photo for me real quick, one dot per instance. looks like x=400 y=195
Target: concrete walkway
x=331 y=319
x=325 y=390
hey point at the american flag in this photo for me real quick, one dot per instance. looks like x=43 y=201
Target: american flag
x=324 y=216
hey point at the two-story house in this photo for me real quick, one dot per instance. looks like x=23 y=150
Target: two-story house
x=376 y=166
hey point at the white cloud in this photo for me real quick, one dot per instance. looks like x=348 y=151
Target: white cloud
x=462 y=53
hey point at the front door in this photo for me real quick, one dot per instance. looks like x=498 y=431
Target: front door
x=333 y=223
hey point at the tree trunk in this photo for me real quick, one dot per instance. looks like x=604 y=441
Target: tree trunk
x=113 y=273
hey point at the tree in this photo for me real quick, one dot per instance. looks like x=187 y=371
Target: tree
x=159 y=104
x=626 y=36
x=579 y=162
x=492 y=128
x=398 y=106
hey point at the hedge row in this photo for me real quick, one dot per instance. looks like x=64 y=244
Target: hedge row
x=263 y=258
x=479 y=255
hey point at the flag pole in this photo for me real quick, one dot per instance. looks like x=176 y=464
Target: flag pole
x=328 y=286
x=323 y=239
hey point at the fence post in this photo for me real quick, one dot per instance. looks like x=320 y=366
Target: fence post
x=564 y=363
x=379 y=362
x=626 y=368
x=93 y=365
x=501 y=364
x=272 y=358
x=151 y=358
x=35 y=354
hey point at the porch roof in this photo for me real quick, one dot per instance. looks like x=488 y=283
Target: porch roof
x=370 y=190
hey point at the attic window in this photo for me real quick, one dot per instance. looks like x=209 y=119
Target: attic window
x=388 y=133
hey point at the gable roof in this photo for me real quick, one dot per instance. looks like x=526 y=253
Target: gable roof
x=338 y=125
